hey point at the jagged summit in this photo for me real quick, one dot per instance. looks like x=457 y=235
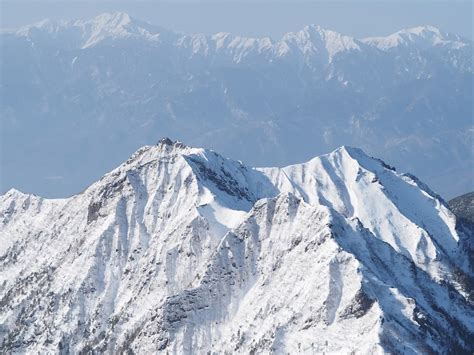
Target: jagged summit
x=165 y=141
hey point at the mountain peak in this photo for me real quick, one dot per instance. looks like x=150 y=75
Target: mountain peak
x=14 y=193
x=361 y=156
x=422 y=30
x=421 y=36
x=118 y=25
x=313 y=28
x=110 y=25
x=314 y=41
x=167 y=142
x=112 y=21
x=179 y=241
x=117 y=16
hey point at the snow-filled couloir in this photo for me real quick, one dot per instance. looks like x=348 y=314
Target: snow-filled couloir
x=181 y=250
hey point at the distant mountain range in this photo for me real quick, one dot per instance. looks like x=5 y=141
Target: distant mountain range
x=78 y=96
x=180 y=250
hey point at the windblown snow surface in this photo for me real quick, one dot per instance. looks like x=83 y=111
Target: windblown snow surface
x=180 y=250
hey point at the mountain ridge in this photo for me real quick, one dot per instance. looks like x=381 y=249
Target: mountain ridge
x=119 y=81
x=181 y=249
x=122 y=25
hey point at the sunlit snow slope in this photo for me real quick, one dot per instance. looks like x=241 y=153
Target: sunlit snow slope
x=180 y=250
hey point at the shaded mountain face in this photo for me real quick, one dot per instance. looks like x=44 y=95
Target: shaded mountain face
x=79 y=96
x=181 y=250
x=463 y=207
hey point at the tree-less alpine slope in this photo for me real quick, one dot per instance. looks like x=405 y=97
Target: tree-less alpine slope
x=179 y=250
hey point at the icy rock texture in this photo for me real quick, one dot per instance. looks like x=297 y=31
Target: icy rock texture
x=180 y=250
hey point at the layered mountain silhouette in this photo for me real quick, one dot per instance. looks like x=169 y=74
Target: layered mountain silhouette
x=78 y=96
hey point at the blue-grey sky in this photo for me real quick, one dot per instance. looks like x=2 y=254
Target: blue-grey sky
x=351 y=17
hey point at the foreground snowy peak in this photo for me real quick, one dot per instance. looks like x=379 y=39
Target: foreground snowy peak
x=258 y=291
x=397 y=208
x=182 y=250
x=218 y=188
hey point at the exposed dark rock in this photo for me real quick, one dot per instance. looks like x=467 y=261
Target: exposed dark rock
x=222 y=179
x=165 y=141
x=463 y=207
x=360 y=306
x=93 y=212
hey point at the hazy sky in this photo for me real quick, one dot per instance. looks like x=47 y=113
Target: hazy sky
x=357 y=18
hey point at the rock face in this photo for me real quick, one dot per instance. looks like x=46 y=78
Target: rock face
x=180 y=250
x=463 y=207
x=113 y=83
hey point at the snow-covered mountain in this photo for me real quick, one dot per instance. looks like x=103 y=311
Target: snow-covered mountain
x=77 y=96
x=180 y=250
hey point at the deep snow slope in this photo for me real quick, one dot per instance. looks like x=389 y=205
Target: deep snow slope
x=113 y=83
x=180 y=250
